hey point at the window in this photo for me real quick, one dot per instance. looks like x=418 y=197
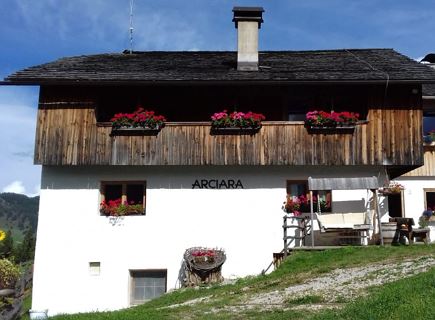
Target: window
x=146 y=285
x=131 y=192
x=94 y=268
x=429 y=199
x=299 y=189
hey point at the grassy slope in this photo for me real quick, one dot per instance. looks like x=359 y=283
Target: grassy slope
x=412 y=298
x=383 y=301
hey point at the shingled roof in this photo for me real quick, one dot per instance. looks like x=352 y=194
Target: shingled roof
x=429 y=90
x=353 y=65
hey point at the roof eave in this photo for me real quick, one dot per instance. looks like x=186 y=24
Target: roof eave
x=30 y=82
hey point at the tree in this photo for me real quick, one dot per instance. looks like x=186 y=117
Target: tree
x=26 y=250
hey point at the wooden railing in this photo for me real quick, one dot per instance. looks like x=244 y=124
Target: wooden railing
x=71 y=136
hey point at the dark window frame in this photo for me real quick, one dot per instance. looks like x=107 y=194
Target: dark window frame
x=124 y=186
x=328 y=193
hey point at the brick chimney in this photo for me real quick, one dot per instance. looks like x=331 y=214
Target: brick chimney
x=247 y=21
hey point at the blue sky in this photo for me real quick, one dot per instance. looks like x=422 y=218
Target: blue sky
x=34 y=32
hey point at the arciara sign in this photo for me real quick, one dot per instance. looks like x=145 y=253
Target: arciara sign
x=217 y=184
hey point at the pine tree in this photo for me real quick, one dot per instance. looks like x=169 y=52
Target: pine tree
x=26 y=250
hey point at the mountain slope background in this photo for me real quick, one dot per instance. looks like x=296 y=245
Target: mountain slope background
x=18 y=213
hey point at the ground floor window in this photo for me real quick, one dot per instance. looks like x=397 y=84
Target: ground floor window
x=298 y=190
x=429 y=199
x=123 y=197
x=147 y=284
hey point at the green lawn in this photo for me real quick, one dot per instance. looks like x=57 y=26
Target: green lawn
x=396 y=300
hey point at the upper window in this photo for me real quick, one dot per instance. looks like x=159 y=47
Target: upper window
x=123 y=198
x=147 y=284
x=298 y=189
x=428 y=123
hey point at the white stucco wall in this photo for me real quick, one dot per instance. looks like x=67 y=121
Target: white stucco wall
x=245 y=222
x=414 y=198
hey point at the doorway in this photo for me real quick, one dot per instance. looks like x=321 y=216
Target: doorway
x=395 y=205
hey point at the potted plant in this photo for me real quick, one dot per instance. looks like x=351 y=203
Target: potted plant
x=203 y=266
x=139 y=122
x=392 y=188
x=424 y=219
x=120 y=208
x=236 y=122
x=429 y=138
x=327 y=121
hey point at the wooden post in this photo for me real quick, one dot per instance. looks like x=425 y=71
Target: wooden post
x=375 y=196
x=312 y=218
x=284 y=226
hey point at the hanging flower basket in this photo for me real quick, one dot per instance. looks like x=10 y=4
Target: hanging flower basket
x=392 y=189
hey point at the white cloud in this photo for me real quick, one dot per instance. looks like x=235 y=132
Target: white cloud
x=18 y=187
x=104 y=25
x=15 y=187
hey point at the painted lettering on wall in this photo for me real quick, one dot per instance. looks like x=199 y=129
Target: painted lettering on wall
x=217 y=184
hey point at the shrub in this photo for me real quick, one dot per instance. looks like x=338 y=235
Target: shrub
x=9 y=274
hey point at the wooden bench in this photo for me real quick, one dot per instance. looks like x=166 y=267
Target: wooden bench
x=419 y=233
x=405 y=229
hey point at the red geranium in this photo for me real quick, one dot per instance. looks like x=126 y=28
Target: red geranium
x=237 y=119
x=139 y=118
x=330 y=119
x=120 y=208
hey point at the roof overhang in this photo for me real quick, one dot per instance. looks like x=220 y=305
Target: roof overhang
x=353 y=183
x=32 y=82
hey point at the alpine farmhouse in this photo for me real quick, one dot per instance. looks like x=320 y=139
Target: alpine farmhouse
x=198 y=187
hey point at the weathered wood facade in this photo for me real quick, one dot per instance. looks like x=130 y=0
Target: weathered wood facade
x=428 y=170
x=68 y=134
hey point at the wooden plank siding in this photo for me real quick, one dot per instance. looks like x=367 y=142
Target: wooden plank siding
x=428 y=170
x=69 y=135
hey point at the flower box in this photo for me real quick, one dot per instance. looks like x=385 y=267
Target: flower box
x=234 y=131
x=137 y=131
x=236 y=123
x=118 y=208
x=141 y=122
x=331 y=122
x=331 y=130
